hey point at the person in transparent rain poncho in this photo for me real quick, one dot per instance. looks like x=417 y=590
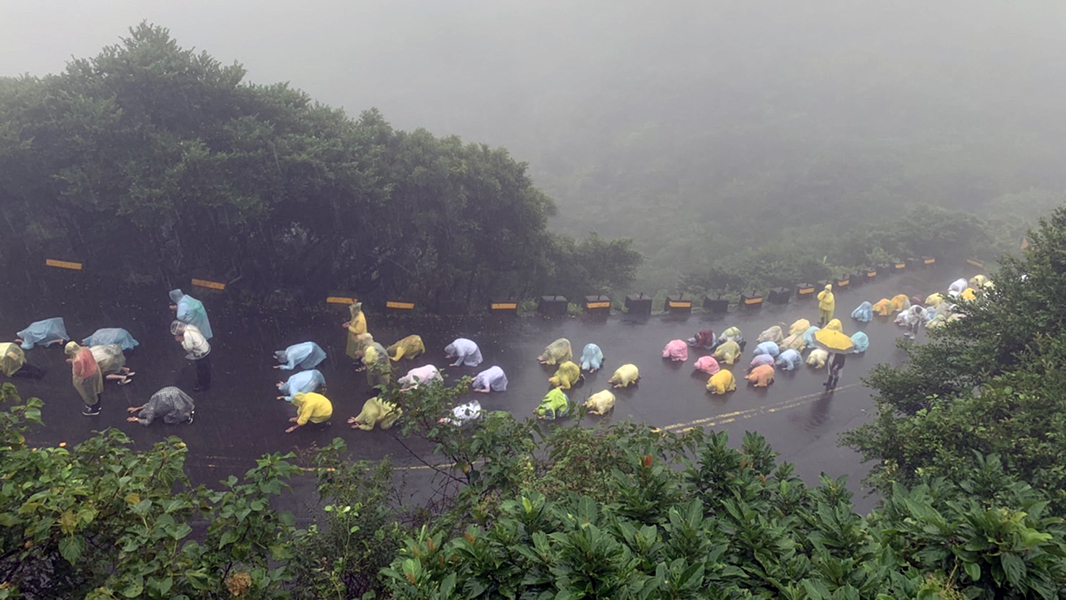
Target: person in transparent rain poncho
x=305 y=355
x=170 y=403
x=556 y=352
x=43 y=333
x=112 y=363
x=111 y=335
x=301 y=383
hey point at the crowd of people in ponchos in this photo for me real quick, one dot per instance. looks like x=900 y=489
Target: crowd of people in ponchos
x=101 y=357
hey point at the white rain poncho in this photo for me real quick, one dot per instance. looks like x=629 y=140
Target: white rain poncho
x=44 y=333
x=305 y=355
x=171 y=404
x=465 y=413
x=465 y=352
x=817 y=358
x=492 y=379
x=109 y=358
x=957 y=287
x=192 y=312
x=415 y=377
x=600 y=403
x=303 y=382
x=591 y=358
x=111 y=335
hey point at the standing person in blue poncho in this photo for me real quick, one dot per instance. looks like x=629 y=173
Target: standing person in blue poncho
x=191 y=312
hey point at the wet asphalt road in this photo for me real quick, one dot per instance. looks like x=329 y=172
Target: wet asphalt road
x=239 y=419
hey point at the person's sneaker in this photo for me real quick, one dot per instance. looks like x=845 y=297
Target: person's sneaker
x=90 y=411
x=191 y=415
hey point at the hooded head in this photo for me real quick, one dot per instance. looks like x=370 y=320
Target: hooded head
x=176 y=295
x=298 y=399
x=72 y=348
x=177 y=328
x=828 y=287
x=355 y=308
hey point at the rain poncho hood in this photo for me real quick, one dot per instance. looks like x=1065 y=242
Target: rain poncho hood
x=377 y=413
x=727 y=352
x=707 y=364
x=192 y=311
x=861 y=341
x=835 y=325
x=799 y=327
x=492 y=378
x=302 y=382
x=554 y=405
x=305 y=355
x=557 y=352
x=770 y=348
x=600 y=403
x=760 y=360
x=864 y=313
x=43 y=332
x=415 y=377
x=170 y=403
x=11 y=358
x=625 y=376
x=817 y=358
x=789 y=359
x=773 y=334
x=591 y=358
x=409 y=348
x=722 y=382
x=312 y=407
x=465 y=352
x=934 y=300
x=676 y=350
x=733 y=333
x=111 y=335
x=761 y=376
x=566 y=376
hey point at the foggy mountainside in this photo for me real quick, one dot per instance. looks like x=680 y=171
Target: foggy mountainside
x=716 y=135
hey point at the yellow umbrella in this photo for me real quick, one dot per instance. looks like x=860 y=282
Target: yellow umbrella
x=832 y=341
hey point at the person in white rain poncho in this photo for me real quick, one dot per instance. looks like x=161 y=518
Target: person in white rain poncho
x=464 y=351
x=421 y=375
x=491 y=379
x=463 y=414
x=170 y=403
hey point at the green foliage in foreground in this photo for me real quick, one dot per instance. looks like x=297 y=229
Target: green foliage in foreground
x=990 y=383
x=522 y=512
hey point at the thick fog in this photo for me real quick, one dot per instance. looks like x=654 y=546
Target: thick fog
x=677 y=124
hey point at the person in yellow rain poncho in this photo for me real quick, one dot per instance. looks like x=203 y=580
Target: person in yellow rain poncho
x=835 y=325
x=933 y=300
x=826 y=304
x=801 y=326
x=761 y=376
x=625 y=376
x=794 y=342
x=968 y=294
x=884 y=307
x=87 y=378
x=772 y=334
x=554 y=405
x=376 y=412
x=900 y=302
x=409 y=347
x=722 y=382
x=727 y=352
x=356 y=327
x=556 y=353
x=566 y=376
x=978 y=281
x=311 y=407
x=600 y=403
x=13 y=362
x=378 y=367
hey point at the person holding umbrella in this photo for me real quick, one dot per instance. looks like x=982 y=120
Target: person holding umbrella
x=838 y=345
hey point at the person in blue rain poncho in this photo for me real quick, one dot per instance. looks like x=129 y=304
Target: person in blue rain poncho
x=305 y=355
x=861 y=342
x=808 y=336
x=770 y=348
x=591 y=358
x=789 y=359
x=191 y=312
x=301 y=383
x=45 y=333
x=864 y=313
x=111 y=335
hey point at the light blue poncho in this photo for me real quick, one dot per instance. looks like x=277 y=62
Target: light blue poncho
x=111 y=335
x=192 y=311
x=591 y=357
x=305 y=355
x=302 y=382
x=44 y=332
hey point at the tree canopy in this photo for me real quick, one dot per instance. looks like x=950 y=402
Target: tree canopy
x=154 y=162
